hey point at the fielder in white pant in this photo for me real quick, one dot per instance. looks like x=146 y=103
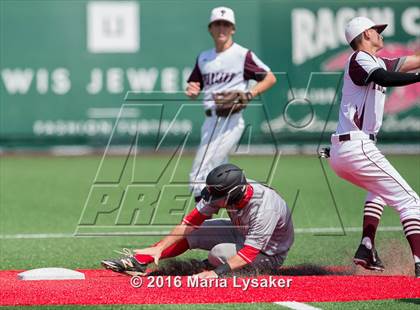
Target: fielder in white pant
x=354 y=155
x=226 y=67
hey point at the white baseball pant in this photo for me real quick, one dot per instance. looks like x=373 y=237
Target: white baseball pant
x=360 y=162
x=223 y=240
x=219 y=135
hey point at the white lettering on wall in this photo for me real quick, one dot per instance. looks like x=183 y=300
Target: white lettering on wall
x=115 y=80
x=95 y=84
x=19 y=81
x=60 y=81
x=410 y=21
x=42 y=81
x=142 y=80
x=169 y=80
x=303 y=32
x=314 y=33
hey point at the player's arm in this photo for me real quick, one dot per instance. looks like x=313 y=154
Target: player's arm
x=244 y=257
x=259 y=234
x=192 y=221
x=411 y=63
x=262 y=86
x=391 y=79
x=255 y=69
x=179 y=232
x=195 y=82
x=395 y=73
x=193 y=89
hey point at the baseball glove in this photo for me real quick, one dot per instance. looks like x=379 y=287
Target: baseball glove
x=230 y=102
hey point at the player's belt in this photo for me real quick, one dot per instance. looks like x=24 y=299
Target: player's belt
x=347 y=137
x=210 y=113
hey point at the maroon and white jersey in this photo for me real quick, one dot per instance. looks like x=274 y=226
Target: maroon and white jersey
x=362 y=103
x=229 y=70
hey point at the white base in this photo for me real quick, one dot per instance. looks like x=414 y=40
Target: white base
x=51 y=274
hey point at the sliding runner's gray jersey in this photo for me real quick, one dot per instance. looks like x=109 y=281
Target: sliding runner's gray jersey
x=265 y=222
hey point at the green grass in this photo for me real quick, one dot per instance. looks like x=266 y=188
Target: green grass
x=401 y=304
x=367 y=305
x=47 y=195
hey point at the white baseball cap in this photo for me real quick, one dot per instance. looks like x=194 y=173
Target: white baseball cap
x=222 y=13
x=359 y=24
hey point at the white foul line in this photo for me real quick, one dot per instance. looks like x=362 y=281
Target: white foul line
x=118 y=234
x=340 y=229
x=295 y=305
x=37 y=236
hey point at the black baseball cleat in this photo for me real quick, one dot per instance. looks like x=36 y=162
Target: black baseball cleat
x=417 y=269
x=368 y=259
x=128 y=265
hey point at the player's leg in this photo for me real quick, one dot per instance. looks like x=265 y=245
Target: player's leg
x=372 y=213
x=127 y=264
x=223 y=241
x=219 y=136
x=174 y=250
x=213 y=232
x=366 y=254
x=268 y=263
x=361 y=163
x=263 y=263
x=220 y=253
x=209 y=234
x=208 y=130
x=136 y=264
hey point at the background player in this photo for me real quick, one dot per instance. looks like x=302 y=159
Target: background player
x=354 y=155
x=259 y=231
x=226 y=67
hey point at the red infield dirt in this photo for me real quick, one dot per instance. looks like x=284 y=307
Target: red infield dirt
x=105 y=287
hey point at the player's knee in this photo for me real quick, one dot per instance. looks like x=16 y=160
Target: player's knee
x=409 y=207
x=220 y=253
x=412 y=211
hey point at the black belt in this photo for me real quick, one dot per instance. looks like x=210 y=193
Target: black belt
x=347 y=137
x=210 y=113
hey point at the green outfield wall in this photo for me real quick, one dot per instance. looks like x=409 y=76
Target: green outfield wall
x=75 y=72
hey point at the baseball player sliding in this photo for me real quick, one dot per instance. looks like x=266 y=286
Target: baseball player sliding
x=354 y=155
x=223 y=75
x=259 y=231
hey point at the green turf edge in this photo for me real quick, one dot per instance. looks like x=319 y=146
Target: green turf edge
x=400 y=304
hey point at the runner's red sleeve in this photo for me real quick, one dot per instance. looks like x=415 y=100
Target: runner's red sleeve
x=194 y=218
x=248 y=253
